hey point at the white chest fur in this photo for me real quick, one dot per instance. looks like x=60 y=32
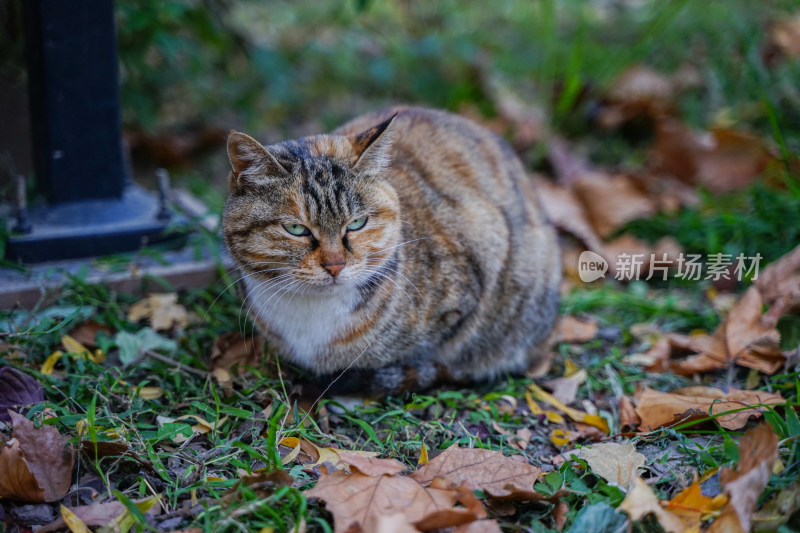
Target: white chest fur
x=306 y=322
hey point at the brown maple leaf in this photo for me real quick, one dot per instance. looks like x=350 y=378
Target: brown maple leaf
x=486 y=470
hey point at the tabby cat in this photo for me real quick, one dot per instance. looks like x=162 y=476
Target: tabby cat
x=406 y=245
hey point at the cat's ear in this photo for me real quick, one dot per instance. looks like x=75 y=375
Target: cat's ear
x=249 y=159
x=371 y=148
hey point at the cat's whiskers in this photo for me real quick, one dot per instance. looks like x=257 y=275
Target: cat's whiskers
x=284 y=285
x=377 y=272
x=250 y=292
x=240 y=278
x=400 y=265
x=394 y=246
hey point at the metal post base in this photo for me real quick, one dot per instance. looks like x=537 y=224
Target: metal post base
x=92 y=227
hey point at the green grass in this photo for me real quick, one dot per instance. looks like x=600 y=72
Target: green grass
x=248 y=64
x=103 y=400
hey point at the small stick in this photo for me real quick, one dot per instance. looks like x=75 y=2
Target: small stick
x=176 y=364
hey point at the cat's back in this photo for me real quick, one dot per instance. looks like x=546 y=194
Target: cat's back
x=447 y=157
x=481 y=250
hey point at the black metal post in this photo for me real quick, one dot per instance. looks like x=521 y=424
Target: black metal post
x=73 y=72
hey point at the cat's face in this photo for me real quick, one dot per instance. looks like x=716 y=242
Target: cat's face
x=313 y=214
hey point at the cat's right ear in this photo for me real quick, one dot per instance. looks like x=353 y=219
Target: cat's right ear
x=250 y=161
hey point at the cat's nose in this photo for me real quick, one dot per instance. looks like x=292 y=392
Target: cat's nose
x=333 y=268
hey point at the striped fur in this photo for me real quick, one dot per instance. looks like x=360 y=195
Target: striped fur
x=456 y=268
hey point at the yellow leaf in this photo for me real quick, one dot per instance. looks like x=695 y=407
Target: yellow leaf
x=50 y=363
x=292 y=454
x=125 y=521
x=423 y=455
x=560 y=437
x=98 y=356
x=214 y=478
x=80 y=427
x=536 y=409
x=151 y=393
x=73 y=346
x=290 y=442
x=576 y=415
x=267 y=530
x=570 y=368
x=74 y=523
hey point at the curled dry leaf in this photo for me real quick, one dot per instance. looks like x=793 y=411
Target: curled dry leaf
x=16 y=390
x=162 y=311
x=37 y=463
x=565 y=210
x=614 y=462
x=758 y=451
x=746 y=337
x=628 y=419
x=486 y=470
x=658 y=409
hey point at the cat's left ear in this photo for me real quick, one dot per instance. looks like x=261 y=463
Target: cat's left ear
x=371 y=148
x=251 y=161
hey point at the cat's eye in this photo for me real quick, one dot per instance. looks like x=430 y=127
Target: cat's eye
x=357 y=224
x=298 y=230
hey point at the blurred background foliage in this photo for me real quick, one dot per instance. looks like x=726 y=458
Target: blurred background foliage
x=294 y=65
x=191 y=70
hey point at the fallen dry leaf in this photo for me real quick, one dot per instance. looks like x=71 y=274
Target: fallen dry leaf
x=86 y=333
x=357 y=499
x=746 y=337
x=161 y=310
x=16 y=480
x=638 y=92
x=783 y=40
x=565 y=210
x=641 y=501
x=658 y=409
x=693 y=506
x=75 y=524
x=232 y=352
x=98 y=514
x=486 y=470
x=758 y=451
x=565 y=389
x=628 y=419
x=372 y=466
x=779 y=285
x=572 y=329
x=576 y=415
x=722 y=160
x=614 y=462
x=37 y=463
x=16 y=390
x=612 y=201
